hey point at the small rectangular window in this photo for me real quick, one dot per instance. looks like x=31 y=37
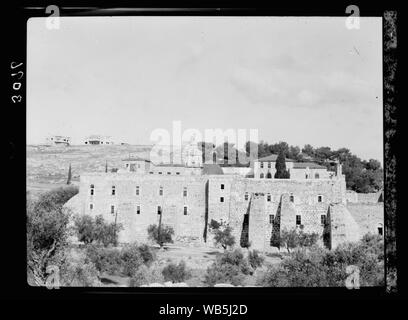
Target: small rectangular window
x=185 y=192
x=222 y=199
x=292 y=198
x=269 y=164
x=159 y=210
x=268 y=198
x=323 y=219
x=185 y=210
x=222 y=186
x=246 y=196
x=92 y=192
x=137 y=190
x=168 y=172
x=112 y=209
x=113 y=190
x=271 y=218
x=160 y=172
x=161 y=191
x=91 y=206
x=298 y=220
x=177 y=173
x=319 y=198
x=261 y=164
x=138 y=210
x=380 y=231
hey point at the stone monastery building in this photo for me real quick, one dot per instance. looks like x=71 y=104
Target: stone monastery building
x=257 y=206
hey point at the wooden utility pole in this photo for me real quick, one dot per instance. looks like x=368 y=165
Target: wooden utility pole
x=159 y=228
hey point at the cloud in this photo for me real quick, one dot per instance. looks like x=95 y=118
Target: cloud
x=302 y=88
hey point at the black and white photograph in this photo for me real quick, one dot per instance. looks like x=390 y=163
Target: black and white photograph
x=174 y=151
x=205 y=151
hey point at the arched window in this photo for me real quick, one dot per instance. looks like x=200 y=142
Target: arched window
x=317 y=176
x=113 y=190
x=92 y=189
x=269 y=175
x=261 y=176
x=291 y=198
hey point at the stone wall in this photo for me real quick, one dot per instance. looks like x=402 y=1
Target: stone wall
x=300 y=173
x=369 y=216
x=266 y=197
x=259 y=198
x=242 y=171
x=125 y=202
x=368 y=197
x=343 y=227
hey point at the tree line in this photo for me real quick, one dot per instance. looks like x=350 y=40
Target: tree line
x=361 y=175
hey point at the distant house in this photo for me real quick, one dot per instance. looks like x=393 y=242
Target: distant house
x=98 y=140
x=58 y=141
x=264 y=168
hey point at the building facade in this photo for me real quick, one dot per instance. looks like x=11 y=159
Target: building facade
x=257 y=209
x=58 y=141
x=98 y=140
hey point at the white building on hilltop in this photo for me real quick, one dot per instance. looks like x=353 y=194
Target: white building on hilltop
x=58 y=141
x=98 y=140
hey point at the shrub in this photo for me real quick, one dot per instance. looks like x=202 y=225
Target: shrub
x=146 y=275
x=214 y=224
x=105 y=259
x=301 y=269
x=84 y=226
x=294 y=238
x=321 y=267
x=176 y=272
x=47 y=232
x=106 y=233
x=229 y=267
x=125 y=261
x=224 y=273
x=79 y=274
x=147 y=254
x=166 y=234
x=90 y=230
x=236 y=258
x=255 y=259
x=131 y=259
x=223 y=237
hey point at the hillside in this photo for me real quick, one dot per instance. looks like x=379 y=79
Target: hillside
x=47 y=167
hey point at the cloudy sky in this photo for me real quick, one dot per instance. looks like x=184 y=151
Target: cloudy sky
x=299 y=80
